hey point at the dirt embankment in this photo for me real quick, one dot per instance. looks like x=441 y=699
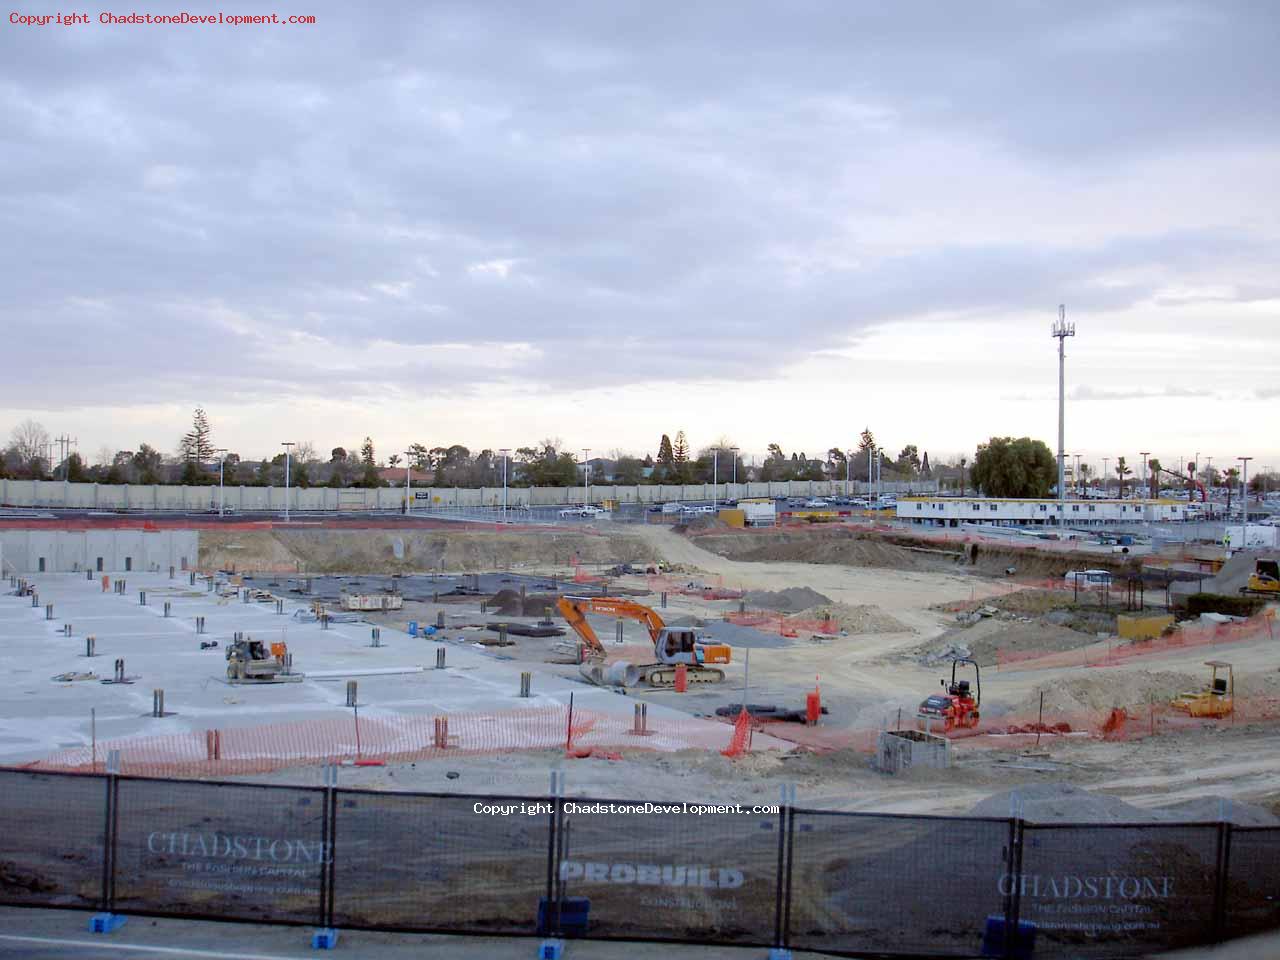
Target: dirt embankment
x=409 y=550
x=830 y=545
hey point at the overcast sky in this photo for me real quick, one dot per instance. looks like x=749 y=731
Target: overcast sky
x=491 y=223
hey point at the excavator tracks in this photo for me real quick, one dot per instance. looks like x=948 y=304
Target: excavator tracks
x=661 y=675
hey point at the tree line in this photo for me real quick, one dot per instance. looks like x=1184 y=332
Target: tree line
x=1001 y=467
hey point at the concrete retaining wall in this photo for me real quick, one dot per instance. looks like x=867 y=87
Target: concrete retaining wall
x=56 y=494
x=118 y=551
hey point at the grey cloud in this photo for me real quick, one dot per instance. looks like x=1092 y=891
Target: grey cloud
x=672 y=186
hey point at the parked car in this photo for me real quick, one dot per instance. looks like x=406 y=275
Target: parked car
x=587 y=513
x=815 y=502
x=1089 y=578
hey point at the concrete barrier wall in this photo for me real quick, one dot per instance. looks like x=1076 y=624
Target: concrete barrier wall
x=56 y=494
x=119 y=551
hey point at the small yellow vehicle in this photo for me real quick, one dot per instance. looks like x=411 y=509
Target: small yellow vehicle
x=1218 y=700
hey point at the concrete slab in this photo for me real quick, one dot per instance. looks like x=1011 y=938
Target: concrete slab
x=39 y=716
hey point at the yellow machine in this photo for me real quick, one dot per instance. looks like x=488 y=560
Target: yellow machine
x=672 y=646
x=1265 y=579
x=1216 y=701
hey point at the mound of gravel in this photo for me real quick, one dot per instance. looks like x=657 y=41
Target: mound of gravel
x=1067 y=803
x=1059 y=803
x=862 y=618
x=1098 y=692
x=790 y=600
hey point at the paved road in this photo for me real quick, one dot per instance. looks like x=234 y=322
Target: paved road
x=49 y=934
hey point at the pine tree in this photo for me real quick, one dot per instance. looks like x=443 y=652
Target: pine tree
x=680 y=451
x=197 y=444
x=867 y=440
x=665 y=456
x=366 y=453
x=924 y=466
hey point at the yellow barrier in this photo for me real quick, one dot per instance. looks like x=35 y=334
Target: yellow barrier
x=1139 y=628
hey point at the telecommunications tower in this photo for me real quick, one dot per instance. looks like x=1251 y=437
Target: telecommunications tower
x=1062 y=330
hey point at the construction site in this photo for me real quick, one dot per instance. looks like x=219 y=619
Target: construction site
x=837 y=668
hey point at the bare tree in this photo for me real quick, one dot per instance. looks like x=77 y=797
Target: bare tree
x=30 y=441
x=104 y=457
x=304 y=451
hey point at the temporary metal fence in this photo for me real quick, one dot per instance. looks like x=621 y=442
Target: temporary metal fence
x=836 y=882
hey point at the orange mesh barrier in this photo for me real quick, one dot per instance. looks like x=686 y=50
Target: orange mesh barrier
x=1115 y=651
x=248 y=750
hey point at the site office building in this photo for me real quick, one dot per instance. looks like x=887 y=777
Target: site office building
x=953 y=511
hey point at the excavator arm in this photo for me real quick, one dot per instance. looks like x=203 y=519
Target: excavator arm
x=575 y=610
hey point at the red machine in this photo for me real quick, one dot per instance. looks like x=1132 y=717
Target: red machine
x=955 y=709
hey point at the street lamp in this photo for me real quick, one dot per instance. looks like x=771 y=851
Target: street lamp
x=586 y=476
x=504 y=451
x=1244 y=497
x=848 y=465
x=221 y=465
x=408 y=470
x=1145 y=454
x=1106 y=477
x=288 y=445
x=734 y=451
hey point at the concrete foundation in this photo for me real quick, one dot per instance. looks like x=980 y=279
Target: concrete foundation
x=100 y=551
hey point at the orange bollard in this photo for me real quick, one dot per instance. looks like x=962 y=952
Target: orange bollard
x=106 y=582
x=682 y=678
x=812 y=708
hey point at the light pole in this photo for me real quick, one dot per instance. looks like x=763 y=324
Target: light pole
x=408 y=470
x=848 y=466
x=1076 y=474
x=504 y=451
x=288 y=445
x=221 y=465
x=1144 y=454
x=586 y=476
x=1106 y=478
x=734 y=451
x=1244 y=498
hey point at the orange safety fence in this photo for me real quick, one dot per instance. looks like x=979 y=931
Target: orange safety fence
x=236 y=751
x=771 y=621
x=1116 y=651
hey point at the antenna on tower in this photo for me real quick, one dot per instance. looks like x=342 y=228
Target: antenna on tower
x=1062 y=330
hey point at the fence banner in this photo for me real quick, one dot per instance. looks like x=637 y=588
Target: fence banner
x=52 y=838
x=889 y=884
x=449 y=863
x=1115 y=889
x=232 y=851
x=1253 y=881
x=656 y=871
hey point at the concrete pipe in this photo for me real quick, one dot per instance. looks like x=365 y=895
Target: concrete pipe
x=623 y=674
x=592 y=671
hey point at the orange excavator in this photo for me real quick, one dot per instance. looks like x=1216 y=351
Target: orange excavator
x=672 y=646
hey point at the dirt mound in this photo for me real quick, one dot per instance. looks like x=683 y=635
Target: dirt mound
x=1059 y=803
x=508 y=603
x=1213 y=809
x=1098 y=692
x=863 y=618
x=987 y=639
x=790 y=600
x=836 y=546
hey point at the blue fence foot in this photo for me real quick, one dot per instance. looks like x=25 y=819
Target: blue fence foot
x=551 y=950
x=779 y=953
x=106 y=922
x=325 y=939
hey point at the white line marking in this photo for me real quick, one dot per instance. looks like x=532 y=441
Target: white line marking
x=172 y=951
